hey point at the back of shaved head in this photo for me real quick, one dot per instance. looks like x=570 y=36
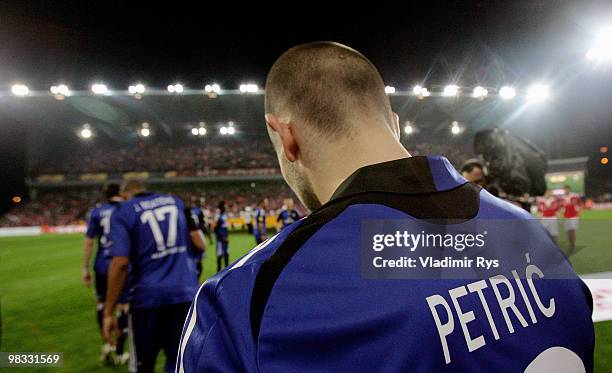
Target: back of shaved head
x=328 y=87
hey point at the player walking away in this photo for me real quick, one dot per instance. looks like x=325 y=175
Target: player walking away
x=98 y=226
x=197 y=215
x=571 y=213
x=309 y=306
x=288 y=215
x=260 y=230
x=548 y=208
x=222 y=237
x=150 y=232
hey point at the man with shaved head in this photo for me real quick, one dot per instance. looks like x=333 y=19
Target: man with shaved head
x=327 y=295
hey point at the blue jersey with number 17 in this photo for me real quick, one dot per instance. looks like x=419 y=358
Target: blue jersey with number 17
x=153 y=231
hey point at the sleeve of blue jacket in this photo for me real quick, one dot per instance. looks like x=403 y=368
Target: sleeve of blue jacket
x=217 y=334
x=206 y=345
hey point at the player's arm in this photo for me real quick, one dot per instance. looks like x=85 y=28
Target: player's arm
x=120 y=250
x=88 y=246
x=205 y=345
x=195 y=234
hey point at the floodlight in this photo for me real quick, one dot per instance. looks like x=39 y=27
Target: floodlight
x=602 y=46
x=99 y=89
x=20 y=90
x=86 y=132
x=137 y=89
x=212 y=88
x=507 y=93
x=480 y=92
x=249 y=88
x=451 y=90
x=389 y=89
x=537 y=93
x=175 y=88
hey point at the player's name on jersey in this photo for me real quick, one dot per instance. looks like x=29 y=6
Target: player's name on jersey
x=168 y=251
x=153 y=203
x=506 y=292
x=431 y=262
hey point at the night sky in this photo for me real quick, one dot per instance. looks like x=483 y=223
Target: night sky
x=473 y=42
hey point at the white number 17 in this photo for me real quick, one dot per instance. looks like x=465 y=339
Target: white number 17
x=154 y=217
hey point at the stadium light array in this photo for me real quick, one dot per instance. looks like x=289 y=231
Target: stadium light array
x=507 y=93
x=389 y=90
x=601 y=51
x=249 y=88
x=212 y=88
x=479 y=92
x=228 y=130
x=99 y=89
x=137 y=89
x=408 y=129
x=200 y=130
x=145 y=131
x=176 y=88
x=60 y=90
x=20 y=90
x=86 y=132
x=451 y=90
x=455 y=128
x=538 y=93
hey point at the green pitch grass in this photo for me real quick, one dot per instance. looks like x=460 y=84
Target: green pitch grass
x=45 y=307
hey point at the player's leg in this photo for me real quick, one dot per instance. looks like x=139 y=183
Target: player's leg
x=174 y=316
x=100 y=286
x=147 y=338
x=122 y=321
x=570 y=226
x=199 y=269
x=219 y=253
x=100 y=281
x=552 y=227
x=226 y=252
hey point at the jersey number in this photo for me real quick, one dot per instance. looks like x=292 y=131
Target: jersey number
x=154 y=217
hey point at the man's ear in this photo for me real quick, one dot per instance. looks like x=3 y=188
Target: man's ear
x=286 y=135
x=396 y=125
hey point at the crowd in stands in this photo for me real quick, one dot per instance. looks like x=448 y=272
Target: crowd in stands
x=60 y=208
x=187 y=158
x=190 y=158
x=53 y=209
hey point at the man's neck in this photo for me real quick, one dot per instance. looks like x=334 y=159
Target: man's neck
x=351 y=156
